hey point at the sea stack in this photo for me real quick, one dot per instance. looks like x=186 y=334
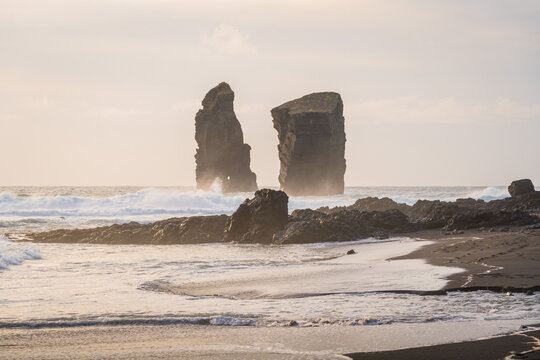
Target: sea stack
x=311 y=146
x=222 y=153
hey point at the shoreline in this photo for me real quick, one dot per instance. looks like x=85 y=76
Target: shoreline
x=494 y=261
x=265 y=219
x=522 y=344
x=499 y=261
x=240 y=342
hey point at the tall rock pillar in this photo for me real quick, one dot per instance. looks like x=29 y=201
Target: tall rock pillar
x=222 y=153
x=311 y=146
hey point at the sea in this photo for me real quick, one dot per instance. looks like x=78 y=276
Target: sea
x=223 y=284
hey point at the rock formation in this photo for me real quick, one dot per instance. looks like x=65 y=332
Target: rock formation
x=185 y=230
x=222 y=153
x=520 y=187
x=257 y=220
x=264 y=219
x=311 y=226
x=311 y=144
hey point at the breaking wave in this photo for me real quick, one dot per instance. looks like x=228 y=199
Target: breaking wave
x=161 y=202
x=489 y=193
x=15 y=253
x=144 y=202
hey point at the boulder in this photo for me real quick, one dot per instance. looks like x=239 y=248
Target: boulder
x=520 y=187
x=222 y=153
x=311 y=146
x=257 y=220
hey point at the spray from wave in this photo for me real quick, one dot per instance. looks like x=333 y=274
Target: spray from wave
x=144 y=202
x=489 y=193
x=159 y=203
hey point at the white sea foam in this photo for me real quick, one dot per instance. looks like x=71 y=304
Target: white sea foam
x=489 y=193
x=159 y=203
x=144 y=202
x=15 y=253
x=365 y=271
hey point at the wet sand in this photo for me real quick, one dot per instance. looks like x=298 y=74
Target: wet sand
x=232 y=342
x=499 y=261
x=523 y=345
x=490 y=259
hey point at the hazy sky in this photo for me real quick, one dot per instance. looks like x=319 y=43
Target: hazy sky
x=105 y=92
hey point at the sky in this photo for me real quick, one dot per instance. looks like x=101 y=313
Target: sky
x=435 y=93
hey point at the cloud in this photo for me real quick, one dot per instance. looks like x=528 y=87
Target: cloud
x=227 y=39
x=447 y=110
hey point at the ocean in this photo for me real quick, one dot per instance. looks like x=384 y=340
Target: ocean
x=314 y=285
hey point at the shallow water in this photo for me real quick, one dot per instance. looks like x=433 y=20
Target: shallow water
x=227 y=284
x=50 y=285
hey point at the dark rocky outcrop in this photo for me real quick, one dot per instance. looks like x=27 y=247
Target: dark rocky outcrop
x=460 y=214
x=311 y=226
x=256 y=220
x=465 y=214
x=265 y=219
x=520 y=187
x=185 y=230
x=222 y=153
x=311 y=144
x=369 y=204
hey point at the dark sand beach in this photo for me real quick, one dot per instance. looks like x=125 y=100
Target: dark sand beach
x=524 y=345
x=240 y=342
x=509 y=259
x=506 y=261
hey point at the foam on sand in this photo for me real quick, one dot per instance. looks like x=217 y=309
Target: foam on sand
x=367 y=270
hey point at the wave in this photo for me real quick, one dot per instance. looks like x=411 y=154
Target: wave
x=143 y=202
x=15 y=253
x=213 y=320
x=160 y=202
x=150 y=202
x=489 y=193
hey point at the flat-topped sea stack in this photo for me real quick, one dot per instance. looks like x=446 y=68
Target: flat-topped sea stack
x=311 y=146
x=222 y=153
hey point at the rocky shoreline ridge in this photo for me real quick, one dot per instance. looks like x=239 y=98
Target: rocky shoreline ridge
x=264 y=219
